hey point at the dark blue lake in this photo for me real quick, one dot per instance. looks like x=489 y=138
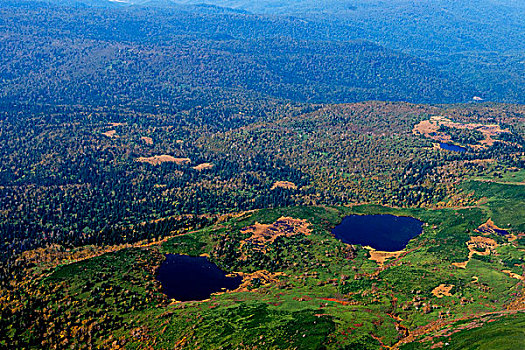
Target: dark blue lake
x=453 y=148
x=192 y=278
x=382 y=232
x=501 y=232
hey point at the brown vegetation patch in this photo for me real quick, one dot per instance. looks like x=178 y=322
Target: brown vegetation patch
x=438 y=345
x=110 y=133
x=501 y=182
x=513 y=275
x=156 y=160
x=380 y=257
x=54 y=255
x=263 y=277
x=429 y=128
x=475 y=245
x=483 y=242
x=342 y=302
x=147 y=140
x=284 y=184
x=239 y=215
x=442 y=328
x=516 y=304
x=443 y=290
x=489 y=227
x=262 y=235
x=203 y=166
x=461 y=265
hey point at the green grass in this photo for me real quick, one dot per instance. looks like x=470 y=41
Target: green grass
x=502 y=333
x=188 y=244
x=509 y=176
x=505 y=204
x=118 y=290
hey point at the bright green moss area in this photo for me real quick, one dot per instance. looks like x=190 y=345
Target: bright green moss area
x=252 y=323
x=404 y=289
x=497 y=333
x=186 y=244
x=326 y=294
x=511 y=177
x=122 y=261
x=507 y=333
x=504 y=202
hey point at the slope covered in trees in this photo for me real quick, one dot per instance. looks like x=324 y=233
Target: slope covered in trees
x=134 y=129
x=74 y=177
x=91 y=55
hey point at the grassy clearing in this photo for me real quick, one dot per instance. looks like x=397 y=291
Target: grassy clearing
x=492 y=333
x=511 y=177
x=326 y=293
x=505 y=204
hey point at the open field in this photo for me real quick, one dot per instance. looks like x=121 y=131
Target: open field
x=433 y=129
x=203 y=166
x=306 y=289
x=156 y=160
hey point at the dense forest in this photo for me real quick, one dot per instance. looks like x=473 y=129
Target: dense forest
x=106 y=58
x=87 y=91
x=75 y=176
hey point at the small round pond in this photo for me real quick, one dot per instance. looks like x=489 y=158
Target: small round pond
x=382 y=232
x=187 y=278
x=451 y=147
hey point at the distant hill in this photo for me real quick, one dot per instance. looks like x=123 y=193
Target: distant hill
x=480 y=42
x=101 y=56
x=466 y=49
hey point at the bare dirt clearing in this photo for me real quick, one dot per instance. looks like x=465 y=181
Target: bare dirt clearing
x=380 y=257
x=443 y=290
x=262 y=235
x=263 y=277
x=490 y=227
x=110 y=133
x=156 y=160
x=513 y=275
x=430 y=129
x=147 y=140
x=284 y=184
x=478 y=245
x=203 y=166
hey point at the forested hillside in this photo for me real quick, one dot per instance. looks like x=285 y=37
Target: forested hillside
x=88 y=92
x=478 y=42
x=169 y=56
x=79 y=176
x=237 y=136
